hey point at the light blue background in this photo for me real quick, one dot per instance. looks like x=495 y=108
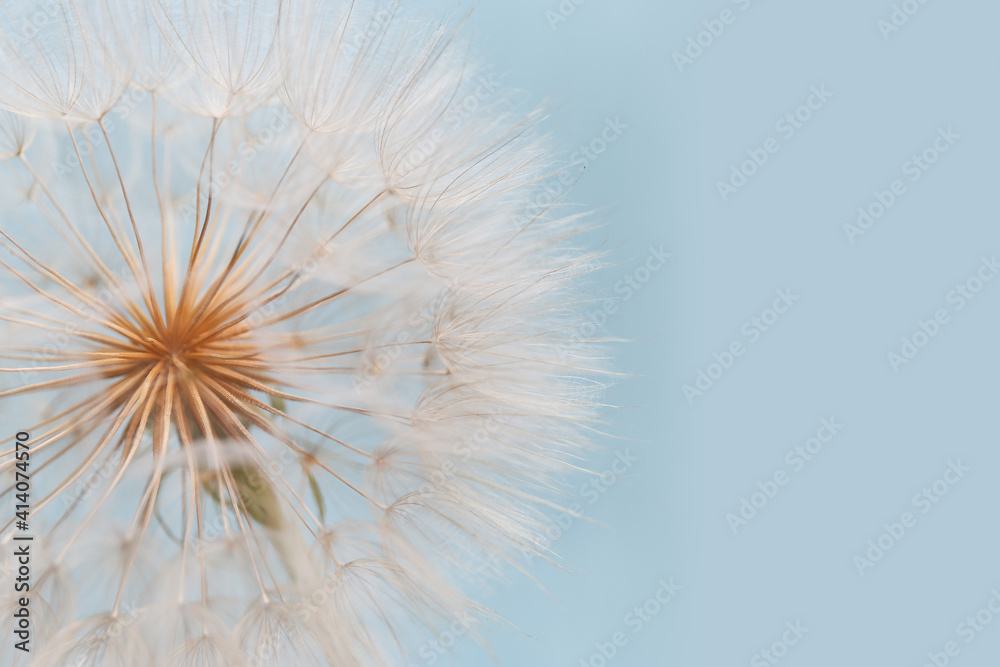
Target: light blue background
x=827 y=357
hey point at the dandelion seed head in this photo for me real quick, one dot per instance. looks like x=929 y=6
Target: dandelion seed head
x=299 y=353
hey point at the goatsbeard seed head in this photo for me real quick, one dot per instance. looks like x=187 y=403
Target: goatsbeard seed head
x=290 y=319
